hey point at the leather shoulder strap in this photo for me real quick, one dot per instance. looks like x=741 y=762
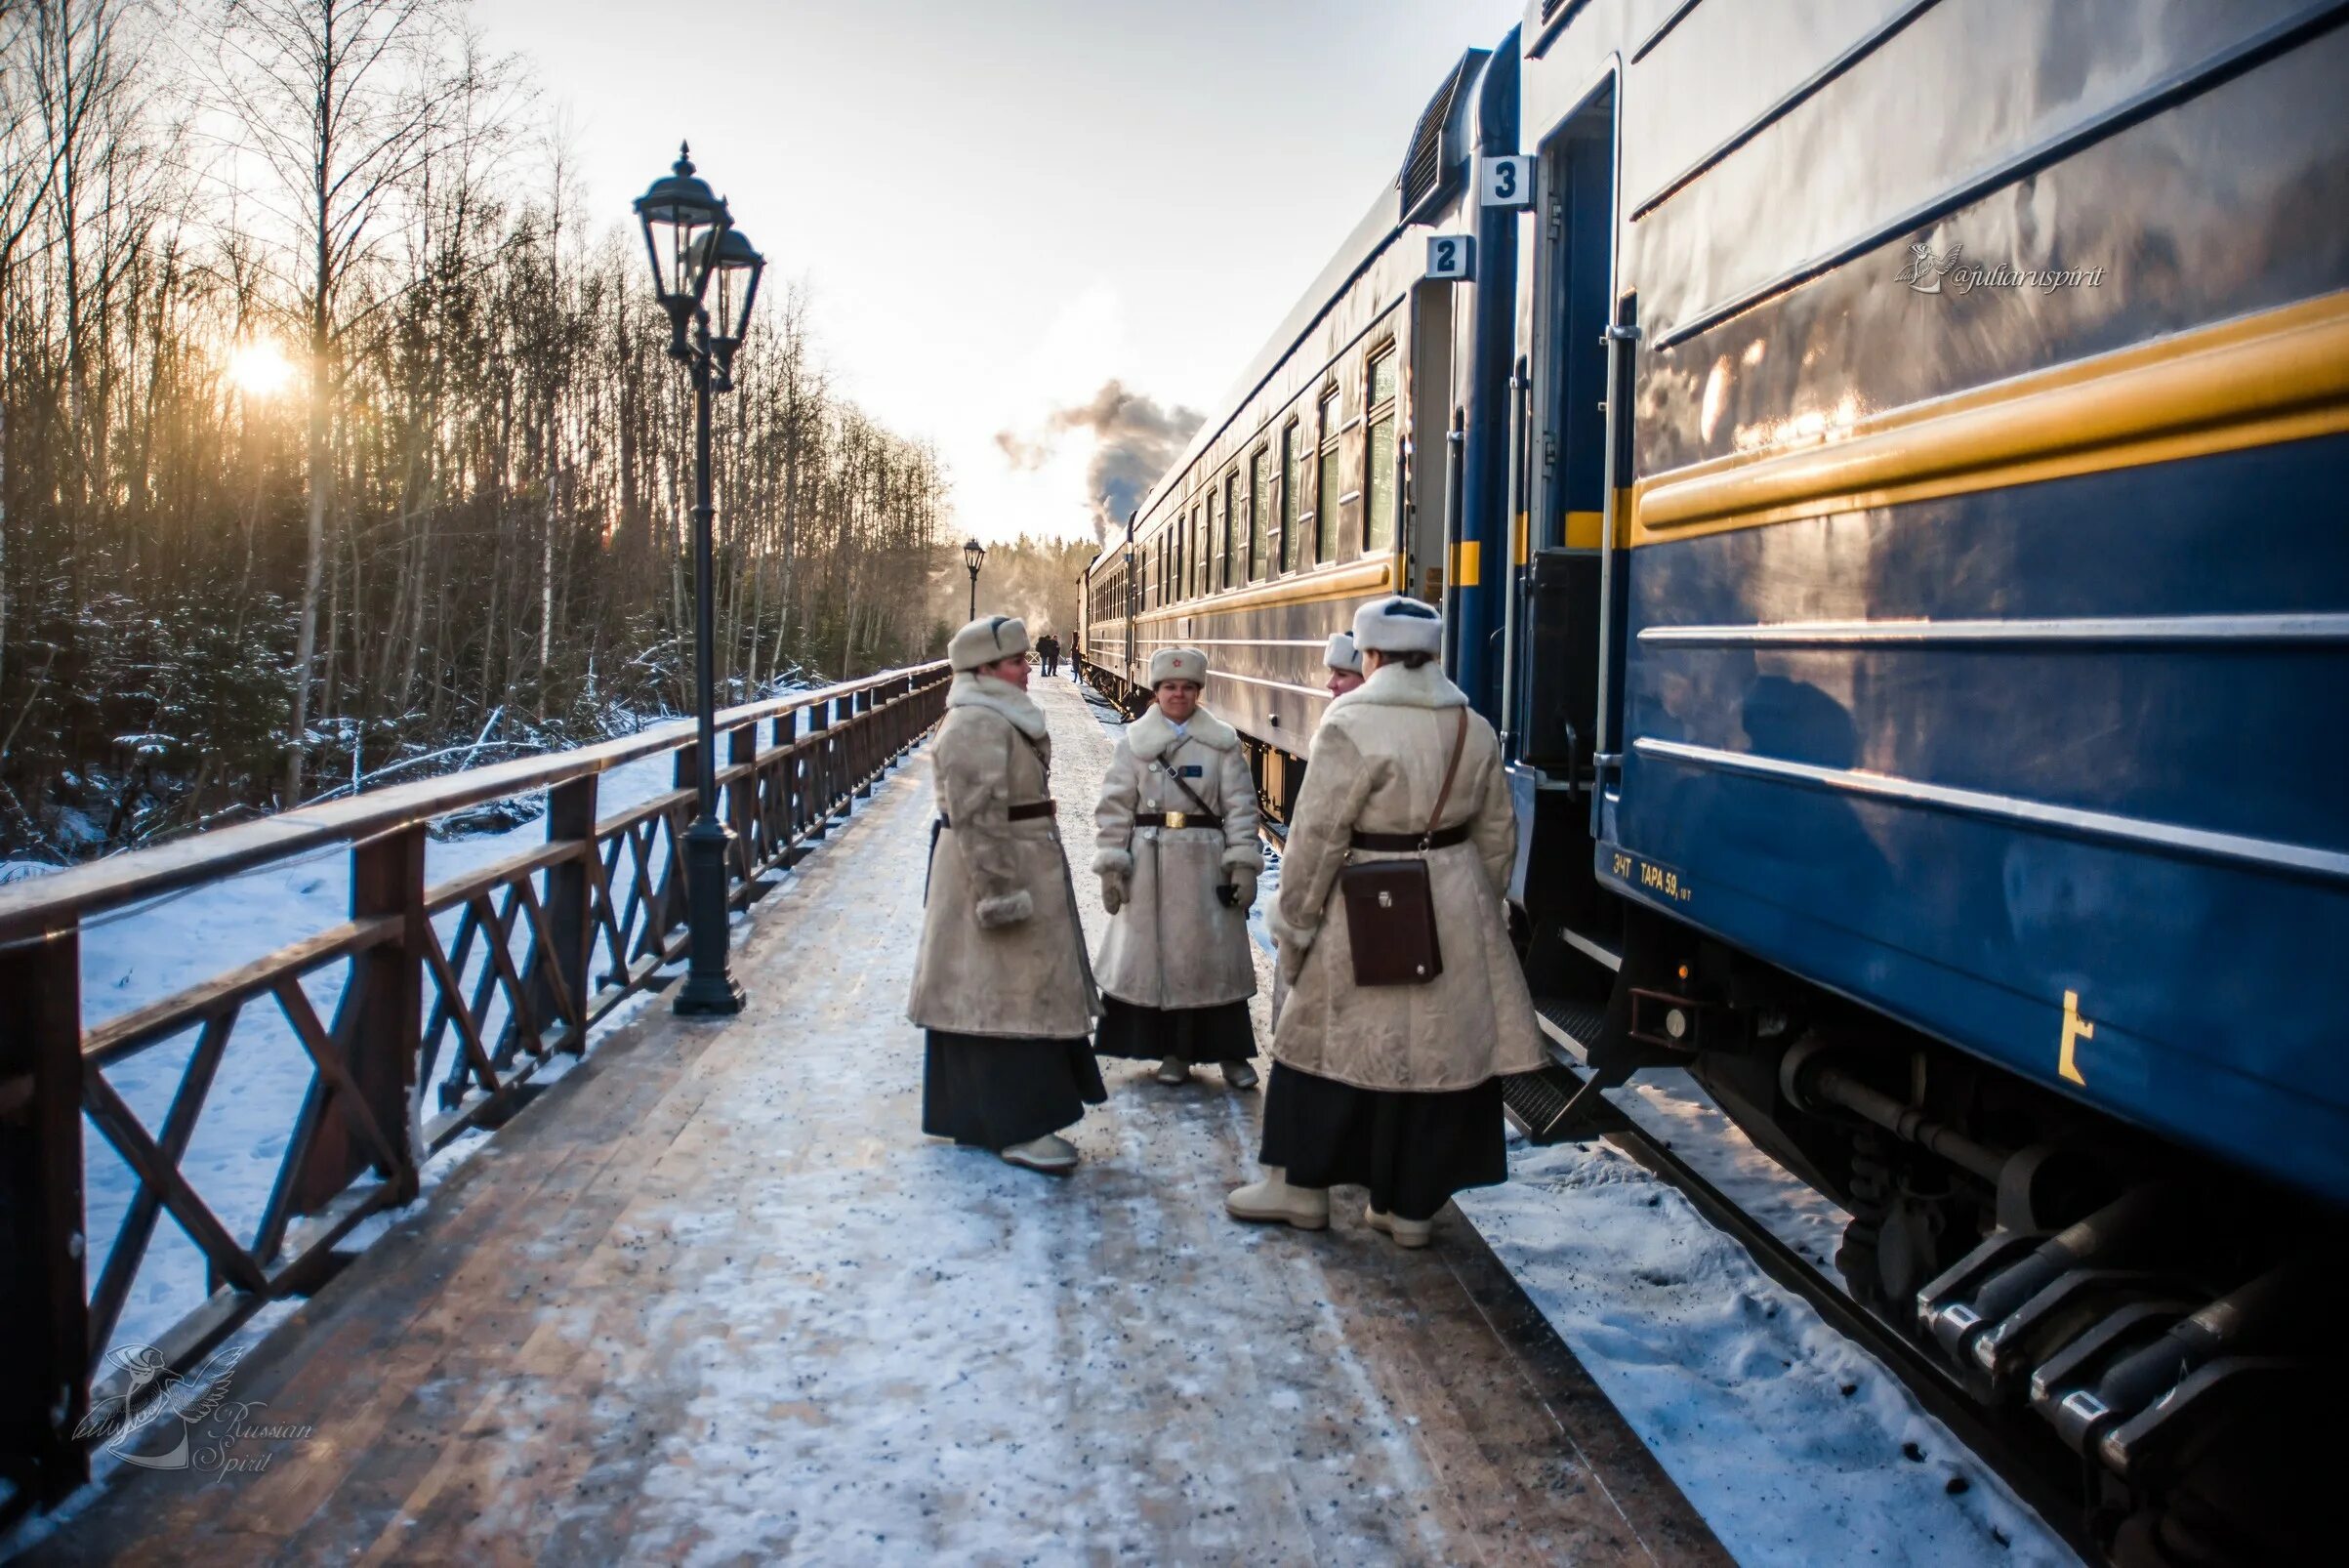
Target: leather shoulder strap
x=1459 y=741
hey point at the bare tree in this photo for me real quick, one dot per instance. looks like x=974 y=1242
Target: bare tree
x=339 y=100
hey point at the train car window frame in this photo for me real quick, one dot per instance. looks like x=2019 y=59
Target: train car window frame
x=1200 y=553
x=1231 y=526
x=1329 y=476
x=1381 y=425
x=1260 y=514
x=1291 y=476
x=1215 y=537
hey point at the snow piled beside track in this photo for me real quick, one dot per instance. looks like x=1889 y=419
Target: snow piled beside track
x=1796 y=1445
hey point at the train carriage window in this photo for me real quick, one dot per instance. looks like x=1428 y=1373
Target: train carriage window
x=1378 y=500
x=1231 y=526
x=1260 y=514
x=1293 y=480
x=1324 y=493
x=1214 y=539
x=1197 y=551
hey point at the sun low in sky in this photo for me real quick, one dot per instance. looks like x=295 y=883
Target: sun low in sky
x=1002 y=206
x=260 y=368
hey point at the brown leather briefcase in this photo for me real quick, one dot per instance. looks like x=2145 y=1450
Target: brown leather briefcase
x=1390 y=905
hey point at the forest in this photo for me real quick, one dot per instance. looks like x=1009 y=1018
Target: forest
x=339 y=443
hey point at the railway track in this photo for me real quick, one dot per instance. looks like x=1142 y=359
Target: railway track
x=2015 y=1446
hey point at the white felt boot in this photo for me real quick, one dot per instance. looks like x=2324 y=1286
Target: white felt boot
x=1174 y=1070
x=1273 y=1201
x=1052 y=1154
x=1405 y=1233
x=1240 y=1074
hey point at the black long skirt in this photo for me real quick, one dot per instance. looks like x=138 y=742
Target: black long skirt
x=1221 y=1033
x=1412 y=1149
x=995 y=1090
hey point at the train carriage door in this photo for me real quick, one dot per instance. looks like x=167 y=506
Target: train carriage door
x=1559 y=650
x=1426 y=512
x=1556 y=620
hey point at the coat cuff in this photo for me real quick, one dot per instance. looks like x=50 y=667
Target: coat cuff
x=1244 y=854
x=1008 y=910
x=1113 y=863
x=1298 y=937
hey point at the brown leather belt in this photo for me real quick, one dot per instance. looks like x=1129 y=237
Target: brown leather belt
x=1442 y=839
x=1176 y=819
x=1027 y=812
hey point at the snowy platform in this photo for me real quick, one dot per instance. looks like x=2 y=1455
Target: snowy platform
x=712 y=1297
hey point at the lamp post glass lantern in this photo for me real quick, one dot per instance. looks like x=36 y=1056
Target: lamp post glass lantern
x=975 y=556
x=690 y=241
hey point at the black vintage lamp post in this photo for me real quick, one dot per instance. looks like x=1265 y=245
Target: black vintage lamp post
x=975 y=556
x=692 y=243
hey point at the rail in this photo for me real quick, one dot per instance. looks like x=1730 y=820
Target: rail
x=510 y=964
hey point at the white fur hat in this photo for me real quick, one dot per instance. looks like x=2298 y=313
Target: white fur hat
x=1399 y=625
x=985 y=641
x=1178 y=664
x=1342 y=653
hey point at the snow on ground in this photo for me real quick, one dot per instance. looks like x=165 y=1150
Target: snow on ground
x=1796 y=1446
x=153 y=951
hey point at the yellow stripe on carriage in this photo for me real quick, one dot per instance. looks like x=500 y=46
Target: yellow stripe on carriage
x=2279 y=375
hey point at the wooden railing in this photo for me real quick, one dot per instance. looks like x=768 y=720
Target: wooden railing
x=465 y=987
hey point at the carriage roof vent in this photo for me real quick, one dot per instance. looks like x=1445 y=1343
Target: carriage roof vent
x=1439 y=143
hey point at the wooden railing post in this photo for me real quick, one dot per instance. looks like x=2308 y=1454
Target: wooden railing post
x=786 y=787
x=44 y=1311
x=378 y=1028
x=817 y=800
x=866 y=762
x=571 y=906
x=741 y=800
x=671 y=904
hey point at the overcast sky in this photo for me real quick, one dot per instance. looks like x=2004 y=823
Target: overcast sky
x=1000 y=205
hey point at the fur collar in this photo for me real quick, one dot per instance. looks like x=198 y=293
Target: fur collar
x=1151 y=736
x=1398 y=686
x=973 y=690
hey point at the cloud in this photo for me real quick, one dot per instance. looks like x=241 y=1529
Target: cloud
x=1135 y=440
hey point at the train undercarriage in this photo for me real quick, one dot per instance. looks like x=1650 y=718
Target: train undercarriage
x=2144 y=1321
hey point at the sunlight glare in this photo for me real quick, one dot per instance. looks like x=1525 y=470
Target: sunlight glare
x=260 y=368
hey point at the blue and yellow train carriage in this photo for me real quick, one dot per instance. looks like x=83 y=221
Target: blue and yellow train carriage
x=1927 y=692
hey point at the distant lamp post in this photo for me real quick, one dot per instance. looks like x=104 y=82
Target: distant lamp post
x=975 y=556
x=692 y=243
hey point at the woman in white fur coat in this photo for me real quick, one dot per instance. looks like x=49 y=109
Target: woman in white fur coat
x=1177 y=857
x=1001 y=982
x=1395 y=1087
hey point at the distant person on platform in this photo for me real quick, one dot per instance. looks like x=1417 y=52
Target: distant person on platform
x=1051 y=654
x=1344 y=663
x=1001 y=982
x=1176 y=853
x=1395 y=1086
